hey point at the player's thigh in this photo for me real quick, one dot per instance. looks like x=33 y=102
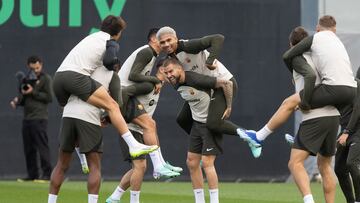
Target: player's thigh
x=101 y=98
x=216 y=108
x=354 y=152
x=340 y=158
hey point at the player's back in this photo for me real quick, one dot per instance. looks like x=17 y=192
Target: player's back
x=331 y=59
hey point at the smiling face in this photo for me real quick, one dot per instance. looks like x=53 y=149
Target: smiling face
x=168 y=42
x=172 y=73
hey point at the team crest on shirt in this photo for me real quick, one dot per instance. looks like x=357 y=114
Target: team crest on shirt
x=191 y=91
x=147 y=73
x=140 y=107
x=187 y=60
x=152 y=102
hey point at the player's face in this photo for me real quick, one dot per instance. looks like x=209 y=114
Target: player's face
x=172 y=73
x=36 y=67
x=168 y=43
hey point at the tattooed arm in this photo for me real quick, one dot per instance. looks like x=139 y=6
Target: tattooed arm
x=227 y=87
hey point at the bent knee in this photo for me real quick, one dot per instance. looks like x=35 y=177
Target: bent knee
x=290 y=102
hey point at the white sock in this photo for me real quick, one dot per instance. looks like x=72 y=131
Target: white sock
x=93 y=198
x=130 y=140
x=199 y=195
x=214 y=195
x=52 y=198
x=263 y=133
x=134 y=196
x=81 y=156
x=156 y=160
x=308 y=198
x=357 y=202
x=118 y=192
x=161 y=156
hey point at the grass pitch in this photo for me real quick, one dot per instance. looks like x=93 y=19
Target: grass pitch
x=161 y=192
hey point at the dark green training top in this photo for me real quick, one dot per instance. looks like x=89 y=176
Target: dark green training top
x=212 y=43
x=142 y=59
x=295 y=61
x=35 y=104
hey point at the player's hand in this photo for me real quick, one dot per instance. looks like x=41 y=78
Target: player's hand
x=14 y=102
x=157 y=88
x=211 y=66
x=28 y=91
x=342 y=139
x=226 y=114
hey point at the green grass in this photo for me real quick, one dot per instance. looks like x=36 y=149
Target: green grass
x=181 y=192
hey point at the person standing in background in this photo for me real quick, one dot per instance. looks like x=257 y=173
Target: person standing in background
x=35 y=95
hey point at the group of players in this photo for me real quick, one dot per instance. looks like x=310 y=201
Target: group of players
x=90 y=82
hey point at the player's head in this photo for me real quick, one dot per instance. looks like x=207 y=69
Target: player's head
x=113 y=25
x=151 y=36
x=167 y=39
x=173 y=70
x=35 y=63
x=326 y=22
x=296 y=35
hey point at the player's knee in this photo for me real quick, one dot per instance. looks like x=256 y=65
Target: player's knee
x=206 y=163
x=140 y=165
x=111 y=105
x=192 y=163
x=289 y=103
x=292 y=165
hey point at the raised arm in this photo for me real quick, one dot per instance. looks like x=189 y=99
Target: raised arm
x=142 y=59
x=212 y=43
x=300 y=48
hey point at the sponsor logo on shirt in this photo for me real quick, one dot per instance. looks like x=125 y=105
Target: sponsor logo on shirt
x=152 y=102
x=191 y=91
x=193 y=68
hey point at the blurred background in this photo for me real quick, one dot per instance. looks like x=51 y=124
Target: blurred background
x=256 y=33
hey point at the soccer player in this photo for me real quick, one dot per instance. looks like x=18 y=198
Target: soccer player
x=81 y=126
x=331 y=61
x=139 y=84
x=316 y=136
x=204 y=146
x=134 y=177
x=199 y=55
x=73 y=76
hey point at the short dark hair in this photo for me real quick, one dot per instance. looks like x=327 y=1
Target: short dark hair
x=113 y=25
x=298 y=34
x=152 y=32
x=33 y=59
x=327 y=21
x=169 y=61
